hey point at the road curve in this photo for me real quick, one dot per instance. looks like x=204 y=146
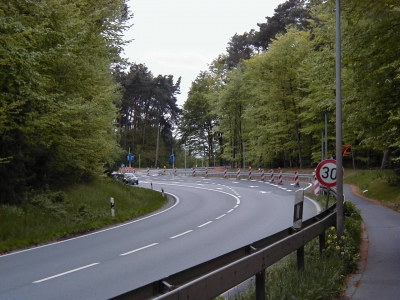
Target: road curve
x=210 y=217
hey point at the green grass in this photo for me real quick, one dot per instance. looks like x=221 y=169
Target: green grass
x=376 y=184
x=52 y=216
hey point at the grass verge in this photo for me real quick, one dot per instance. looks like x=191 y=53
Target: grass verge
x=380 y=185
x=52 y=216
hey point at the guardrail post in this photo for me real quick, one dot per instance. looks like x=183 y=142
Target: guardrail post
x=321 y=242
x=260 y=285
x=327 y=200
x=300 y=258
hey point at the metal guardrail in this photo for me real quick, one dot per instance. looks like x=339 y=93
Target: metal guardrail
x=212 y=278
x=201 y=172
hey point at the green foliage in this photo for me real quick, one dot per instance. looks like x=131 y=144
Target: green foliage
x=52 y=215
x=148 y=106
x=57 y=94
x=272 y=104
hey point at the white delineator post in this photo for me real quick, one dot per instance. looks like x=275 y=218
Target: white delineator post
x=316 y=186
x=238 y=174
x=262 y=175
x=112 y=204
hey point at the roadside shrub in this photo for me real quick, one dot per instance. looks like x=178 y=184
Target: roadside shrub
x=53 y=203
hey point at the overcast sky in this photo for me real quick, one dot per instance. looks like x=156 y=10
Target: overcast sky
x=181 y=37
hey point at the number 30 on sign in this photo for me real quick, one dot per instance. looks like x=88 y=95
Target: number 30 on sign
x=326 y=172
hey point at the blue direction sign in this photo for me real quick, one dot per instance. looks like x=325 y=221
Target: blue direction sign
x=130 y=158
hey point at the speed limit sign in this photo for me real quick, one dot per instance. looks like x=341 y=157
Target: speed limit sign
x=326 y=172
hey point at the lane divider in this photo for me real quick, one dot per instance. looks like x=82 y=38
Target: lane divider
x=136 y=250
x=178 y=235
x=65 y=273
x=202 y=225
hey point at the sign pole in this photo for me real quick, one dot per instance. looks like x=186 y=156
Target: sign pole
x=339 y=158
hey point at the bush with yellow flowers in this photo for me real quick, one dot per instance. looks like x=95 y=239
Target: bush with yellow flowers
x=347 y=246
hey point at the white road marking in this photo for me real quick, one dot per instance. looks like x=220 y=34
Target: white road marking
x=130 y=252
x=220 y=217
x=231 y=210
x=181 y=234
x=65 y=273
x=204 y=224
x=100 y=231
x=264 y=192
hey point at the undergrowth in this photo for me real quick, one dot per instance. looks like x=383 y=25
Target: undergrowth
x=53 y=215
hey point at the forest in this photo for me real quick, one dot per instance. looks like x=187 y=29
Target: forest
x=270 y=99
x=71 y=108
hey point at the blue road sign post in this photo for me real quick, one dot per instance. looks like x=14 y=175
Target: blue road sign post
x=130 y=158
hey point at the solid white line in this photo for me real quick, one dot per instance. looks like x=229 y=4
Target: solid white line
x=231 y=210
x=138 y=249
x=220 y=217
x=235 y=206
x=181 y=234
x=204 y=224
x=65 y=273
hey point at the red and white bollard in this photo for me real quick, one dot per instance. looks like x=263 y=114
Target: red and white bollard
x=206 y=176
x=238 y=174
x=262 y=175
x=296 y=178
x=148 y=172
x=279 y=176
x=225 y=173
x=272 y=176
x=194 y=172
x=317 y=192
x=250 y=175
x=175 y=170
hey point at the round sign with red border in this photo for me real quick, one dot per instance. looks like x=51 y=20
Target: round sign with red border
x=326 y=172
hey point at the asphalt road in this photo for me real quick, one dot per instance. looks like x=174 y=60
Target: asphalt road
x=210 y=217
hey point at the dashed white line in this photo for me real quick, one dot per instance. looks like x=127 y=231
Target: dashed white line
x=130 y=252
x=204 y=224
x=175 y=236
x=220 y=217
x=231 y=210
x=65 y=273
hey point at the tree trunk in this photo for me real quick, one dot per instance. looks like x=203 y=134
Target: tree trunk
x=384 y=159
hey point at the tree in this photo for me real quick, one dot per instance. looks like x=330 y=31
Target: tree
x=198 y=119
x=58 y=96
x=148 y=103
x=372 y=75
x=291 y=12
